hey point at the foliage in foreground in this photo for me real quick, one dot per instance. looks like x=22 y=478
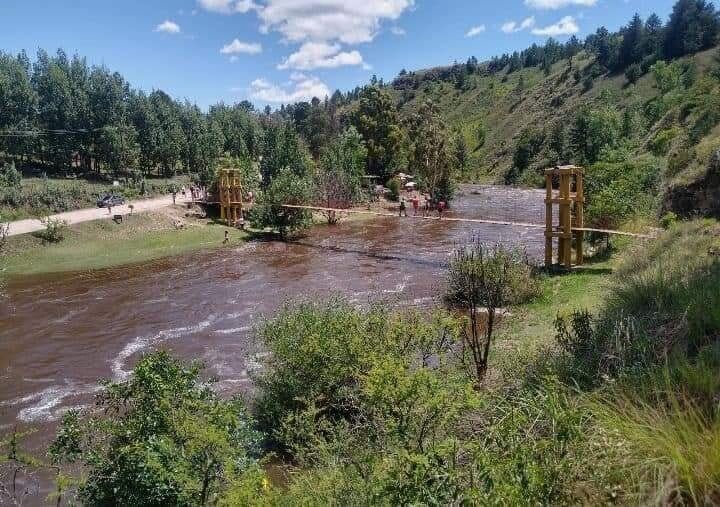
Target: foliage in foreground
x=162 y=437
x=664 y=303
x=375 y=408
x=653 y=352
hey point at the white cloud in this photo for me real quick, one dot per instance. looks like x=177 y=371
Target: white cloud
x=168 y=26
x=514 y=26
x=475 y=30
x=237 y=47
x=350 y=22
x=316 y=55
x=397 y=30
x=303 y=88
x=228 y=6
x=558 y=4
x=565 y=26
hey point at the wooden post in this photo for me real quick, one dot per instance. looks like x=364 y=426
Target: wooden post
x=548 y=221
x=565 y=206
x=579 y=218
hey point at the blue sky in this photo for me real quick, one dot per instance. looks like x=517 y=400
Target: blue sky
x=272 y=51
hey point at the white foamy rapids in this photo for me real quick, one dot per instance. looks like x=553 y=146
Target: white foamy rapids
x=69 y=315
x=144 y=342
x=47 y=404
x=234 y=330
x=400 y=287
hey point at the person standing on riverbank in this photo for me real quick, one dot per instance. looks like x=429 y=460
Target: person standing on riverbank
x=403 y=207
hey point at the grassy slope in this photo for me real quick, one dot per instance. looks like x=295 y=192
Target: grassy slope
x=101 y=244
x=505 y=112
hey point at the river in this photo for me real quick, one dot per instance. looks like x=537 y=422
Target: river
x=60 y=333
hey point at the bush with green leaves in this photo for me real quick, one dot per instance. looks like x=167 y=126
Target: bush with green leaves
x=662 y=142
x=54 y=229
x=320 y=351
x=394 y=185
x=633 y=73
x=162 y=437
x=482 y=280
x=9 y=176
x=286 y=187
x=366 y=402
x=595 y=129
x=617 y=191
x=663 y=303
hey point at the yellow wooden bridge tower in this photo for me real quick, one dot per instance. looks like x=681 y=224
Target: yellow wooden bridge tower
x=570 y=214
x=230 y=196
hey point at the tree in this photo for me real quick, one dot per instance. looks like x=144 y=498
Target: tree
x=377 y=121
x=480 y=135
x=460 y=152
x=117 y=147
x=282 y=149
x=693 y=26
x=557 y=142
x=162 y=437
x=338 y=181
x=483 y=280
x=429 y=154
x=653 y=36
x=633 y=43
x=633 y=73
x=528 y=146
x=594 y=130
x=286 y=187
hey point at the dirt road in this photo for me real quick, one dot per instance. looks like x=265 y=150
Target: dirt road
x=88 y=214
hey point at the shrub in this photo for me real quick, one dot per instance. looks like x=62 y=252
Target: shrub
x=162 y=437
x=633 y=73
x=660 y=146
x=617 y=191
x=668 y=220
x=321 y=351
x=10 y=177
x=54 y=231
x=393 y=186
x=286 y=188
x=667 y=76
x=531 y=446
x=663 y=303
x=482 y=280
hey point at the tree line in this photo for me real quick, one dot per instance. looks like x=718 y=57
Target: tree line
x=694 y=25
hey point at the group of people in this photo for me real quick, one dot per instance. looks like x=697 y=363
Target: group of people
x=429 y=204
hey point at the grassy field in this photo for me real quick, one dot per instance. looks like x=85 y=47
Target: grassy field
x=102 y=244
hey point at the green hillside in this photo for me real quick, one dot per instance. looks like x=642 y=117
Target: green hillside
x=673 y=129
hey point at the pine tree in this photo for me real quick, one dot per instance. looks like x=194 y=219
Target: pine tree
x=631 y=49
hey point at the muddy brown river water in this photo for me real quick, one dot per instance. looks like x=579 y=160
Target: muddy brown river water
x=60 y=333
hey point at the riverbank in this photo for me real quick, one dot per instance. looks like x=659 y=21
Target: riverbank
x=103 y=243
x=141 y=237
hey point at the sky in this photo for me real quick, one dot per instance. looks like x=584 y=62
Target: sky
x=281 y=51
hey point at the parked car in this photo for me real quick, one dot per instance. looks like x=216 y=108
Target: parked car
x=110 y=200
